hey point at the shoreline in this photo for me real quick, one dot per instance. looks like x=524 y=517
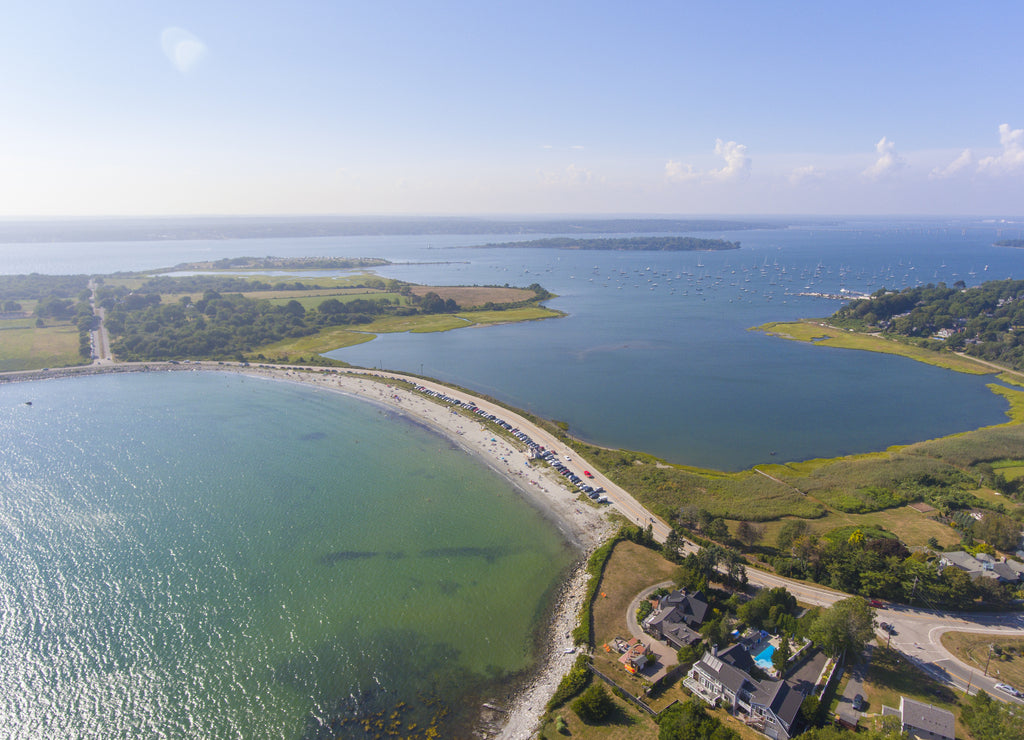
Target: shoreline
x=581 y=524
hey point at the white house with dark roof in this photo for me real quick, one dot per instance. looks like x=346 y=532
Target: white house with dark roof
x=922 y=720
x=771 y=707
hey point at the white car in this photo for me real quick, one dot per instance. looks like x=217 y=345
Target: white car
x=1008 y=689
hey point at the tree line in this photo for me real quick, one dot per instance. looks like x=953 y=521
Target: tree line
x=986 y=321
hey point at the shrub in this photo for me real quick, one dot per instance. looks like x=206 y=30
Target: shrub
x=594 y=704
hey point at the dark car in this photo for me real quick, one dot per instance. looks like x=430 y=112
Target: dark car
x=858 y=702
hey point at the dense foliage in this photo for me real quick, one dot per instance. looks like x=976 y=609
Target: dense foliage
x=638 y=244
x=845 y=627
x=986 y=321
x=39 y=287
x=691 y=721
x=882 y=567
x=227 y=325
x=572 y=682
x=990 y=720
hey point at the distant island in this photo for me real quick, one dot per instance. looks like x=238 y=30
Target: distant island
x=632 y=244
x=280 y=263
x=1009 y=243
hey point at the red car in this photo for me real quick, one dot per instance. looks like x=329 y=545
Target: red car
x=588 y=474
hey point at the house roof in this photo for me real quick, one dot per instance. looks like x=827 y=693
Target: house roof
x=783 y=700
x=923 y=716
x=680 y=606
x=732 y=678
x=962 y=560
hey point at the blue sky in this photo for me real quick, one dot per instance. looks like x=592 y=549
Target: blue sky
x=408 y=107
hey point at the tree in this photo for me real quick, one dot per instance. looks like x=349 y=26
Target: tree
x=998 y=530
x=749 y=534
x=690 y=721
x=791 y=531
x=782 y=655
x=594 y=704
x=847 y=626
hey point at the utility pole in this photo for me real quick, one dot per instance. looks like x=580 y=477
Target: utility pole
x=990 y=647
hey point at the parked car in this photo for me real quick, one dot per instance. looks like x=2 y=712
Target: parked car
x=1009 y=690
x=858 y=703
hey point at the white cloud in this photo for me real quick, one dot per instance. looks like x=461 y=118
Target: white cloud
x=679 y=172
x=183 y=49
x=737 y=165
x=961 y=163
x=1011 y=159
x=807 y=173
x=888 y=160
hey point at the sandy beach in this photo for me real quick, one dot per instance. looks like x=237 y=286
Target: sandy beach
x=514 y=717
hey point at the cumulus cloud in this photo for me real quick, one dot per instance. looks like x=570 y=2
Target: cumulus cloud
x=807 y=173
x=888 y=160
x=183 y=49
x=1011 y=159
x=961 y=163
x=679 y=172
x=737 y=165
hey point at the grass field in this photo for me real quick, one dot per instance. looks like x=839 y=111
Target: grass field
x=817 y=332
x=975 y=650
x=23 y=346
x=339 y=337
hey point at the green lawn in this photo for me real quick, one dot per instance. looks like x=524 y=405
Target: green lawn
x=25 y=347
x=817 y=332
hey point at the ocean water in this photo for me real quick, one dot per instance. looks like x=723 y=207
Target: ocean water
x=207 y=555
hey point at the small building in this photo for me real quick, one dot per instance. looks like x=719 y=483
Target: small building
x=923 y=721
x=636 y=657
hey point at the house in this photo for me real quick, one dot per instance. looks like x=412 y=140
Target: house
x=677 y=617
x=636 y=656
x=922 y=720
x=721 y=678
x=982 y=566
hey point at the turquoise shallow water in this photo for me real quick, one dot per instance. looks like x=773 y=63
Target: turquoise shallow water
x=207 y=555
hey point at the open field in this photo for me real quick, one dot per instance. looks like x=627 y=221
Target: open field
x=23 y=346
x=471 y=296
x=975 y=650
x=817 y=332
x=890 y=676
x=338 y=337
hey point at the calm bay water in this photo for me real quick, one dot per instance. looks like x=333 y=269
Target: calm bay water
x=205 y=555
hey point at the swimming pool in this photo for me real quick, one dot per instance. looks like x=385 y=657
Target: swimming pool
x=764 y=658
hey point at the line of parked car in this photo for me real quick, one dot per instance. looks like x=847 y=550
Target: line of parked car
x=538 y=450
